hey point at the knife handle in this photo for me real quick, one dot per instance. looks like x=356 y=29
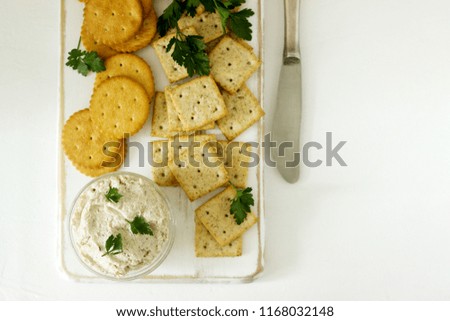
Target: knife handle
x=291 y=32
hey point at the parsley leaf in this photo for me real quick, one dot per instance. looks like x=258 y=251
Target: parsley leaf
x=84 y=61
x=191 y=7
x=240 y=25
x=94 y=62
x=113 y=245
x=169 y=18
x=210 y=5
x=189 y=51
x=140 y=226
x=113 y=195
x=240 y=205
x=232 y=4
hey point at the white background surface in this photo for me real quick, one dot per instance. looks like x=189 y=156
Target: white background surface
x=376 y=74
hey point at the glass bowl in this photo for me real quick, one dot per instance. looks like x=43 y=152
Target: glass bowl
x=92 y=213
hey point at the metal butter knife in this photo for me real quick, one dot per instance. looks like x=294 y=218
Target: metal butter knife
x=287 y=118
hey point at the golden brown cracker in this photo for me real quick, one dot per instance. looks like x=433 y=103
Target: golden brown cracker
x=90 y=44
x=119 y=106
x=110 y=167
x=147 y=6
x=130 y=66
x=84 y=145
x=142 y=38
x=95 y=172
x=112 y=21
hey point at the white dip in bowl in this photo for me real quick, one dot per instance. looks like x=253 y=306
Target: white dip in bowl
x=94 y=218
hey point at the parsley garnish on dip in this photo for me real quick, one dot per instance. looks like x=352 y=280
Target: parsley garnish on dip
x=139 y=222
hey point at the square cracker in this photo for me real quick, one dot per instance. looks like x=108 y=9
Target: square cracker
x=198 y=103
x=235 y=156
x=174 y=122
x=162 y=175
x=232 y=64
x=160 y=119
x=194 y=163
x=207 y=24
x=215 y=216
x=173 y=71
x=200 y=9
x=182 y=142
x=212 y=44
x=207 y=246
x=243 y=111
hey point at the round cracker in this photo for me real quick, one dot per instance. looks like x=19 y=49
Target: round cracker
x=90 y=44
x=112 y=21
x=119 y=106
x=83 y=144
x=143 y=37
x=130 y=66
x=95 y=172
x=147 y=5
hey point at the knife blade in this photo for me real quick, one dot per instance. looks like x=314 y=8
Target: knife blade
x=287 y=117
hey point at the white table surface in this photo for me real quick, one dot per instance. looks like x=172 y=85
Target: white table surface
x=376 y=74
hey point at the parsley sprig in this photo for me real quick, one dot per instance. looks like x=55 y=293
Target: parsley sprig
x=240 y=25
x=140 y=226
x=113 y=195
x=189 y=51
x=169 y=19
x=84 y=61
x=240 y=205
x=113 y=245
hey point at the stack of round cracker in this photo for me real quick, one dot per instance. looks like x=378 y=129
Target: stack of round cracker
x=114 y=26
x=94 y=139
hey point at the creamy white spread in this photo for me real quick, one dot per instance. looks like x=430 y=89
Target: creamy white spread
x=95 y=218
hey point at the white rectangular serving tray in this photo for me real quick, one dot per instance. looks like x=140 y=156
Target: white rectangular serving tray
x=181 y=265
